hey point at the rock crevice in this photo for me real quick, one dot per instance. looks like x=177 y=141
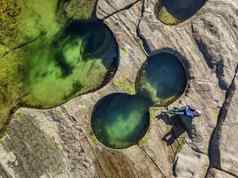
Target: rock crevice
x=214 y=145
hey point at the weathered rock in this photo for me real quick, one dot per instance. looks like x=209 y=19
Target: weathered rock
x=60 y=143
x=223 y=145
x=215 y=173
x=188 y=157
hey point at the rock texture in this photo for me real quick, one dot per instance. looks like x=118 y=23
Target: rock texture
x=214 y=173
x=188 y=157
x=59 y=142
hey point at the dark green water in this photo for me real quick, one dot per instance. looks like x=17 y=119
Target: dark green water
x=81 y=59
x=120 y=120
x=183 y=9
x=162 y=79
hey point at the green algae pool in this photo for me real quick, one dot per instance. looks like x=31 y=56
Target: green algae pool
x=120 y=120
x=45 y=59
x=174 y=12
x=81 y=59
x=162 y=79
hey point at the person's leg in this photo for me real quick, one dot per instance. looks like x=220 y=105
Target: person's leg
x=169 y=138
x=187 y=124
x=179 y=130
x=175 y=132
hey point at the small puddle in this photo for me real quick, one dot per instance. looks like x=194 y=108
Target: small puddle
x=82 y=58
x=174 y=12
x=120 y=120
x=162 y=79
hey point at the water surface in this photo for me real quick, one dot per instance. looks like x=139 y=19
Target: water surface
x=81 y=59
x=172 y=12
x=120 y=120
x=162 y=79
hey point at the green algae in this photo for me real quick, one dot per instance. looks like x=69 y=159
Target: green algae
x=10 y=86
x=125 y=86
x=37 y=18
x=24 y=20
x=87 y=9
x=120 y=120
x=167 y=18
x=77 y=62
x=21 y=22
x=162 y=79
x=42 y=65
x=174 y=12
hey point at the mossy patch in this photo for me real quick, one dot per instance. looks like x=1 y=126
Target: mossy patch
x=77 y=62
x=87 y=8
x=44 y=63
x=125 y=86
x=166 y=17
x=10 y=85
x=21 y=22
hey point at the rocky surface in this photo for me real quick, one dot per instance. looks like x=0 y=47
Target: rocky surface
x=214 y=173
x=59 y=142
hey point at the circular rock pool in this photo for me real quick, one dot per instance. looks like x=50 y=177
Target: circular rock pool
x=82 y=58
x=120 y=120
x=173 y=12
x=162 y=79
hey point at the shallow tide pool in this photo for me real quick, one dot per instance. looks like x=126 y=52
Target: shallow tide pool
x=78 y=61
x=120 y=120
x=162 y=79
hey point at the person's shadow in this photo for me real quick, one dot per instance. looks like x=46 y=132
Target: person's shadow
x=179 y=123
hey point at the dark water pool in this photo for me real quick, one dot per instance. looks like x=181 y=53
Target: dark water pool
x=162 y=78
x=82 y=58
x=175 y=11
x=120 y=120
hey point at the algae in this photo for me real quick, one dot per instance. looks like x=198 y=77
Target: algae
x=174 y=12
x=46 y=58
x=120 y=120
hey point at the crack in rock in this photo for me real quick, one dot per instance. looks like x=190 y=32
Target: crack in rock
x=145 y=46
x=217 y=66
x=214 y=145
x=127 y=7
x=153 y=161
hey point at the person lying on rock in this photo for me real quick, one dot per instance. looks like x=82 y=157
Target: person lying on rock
x=181 y=120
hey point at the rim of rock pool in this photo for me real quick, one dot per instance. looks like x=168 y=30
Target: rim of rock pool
x=108 y=76
x=145 y=122
x=180 y=59
x=180 y=22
